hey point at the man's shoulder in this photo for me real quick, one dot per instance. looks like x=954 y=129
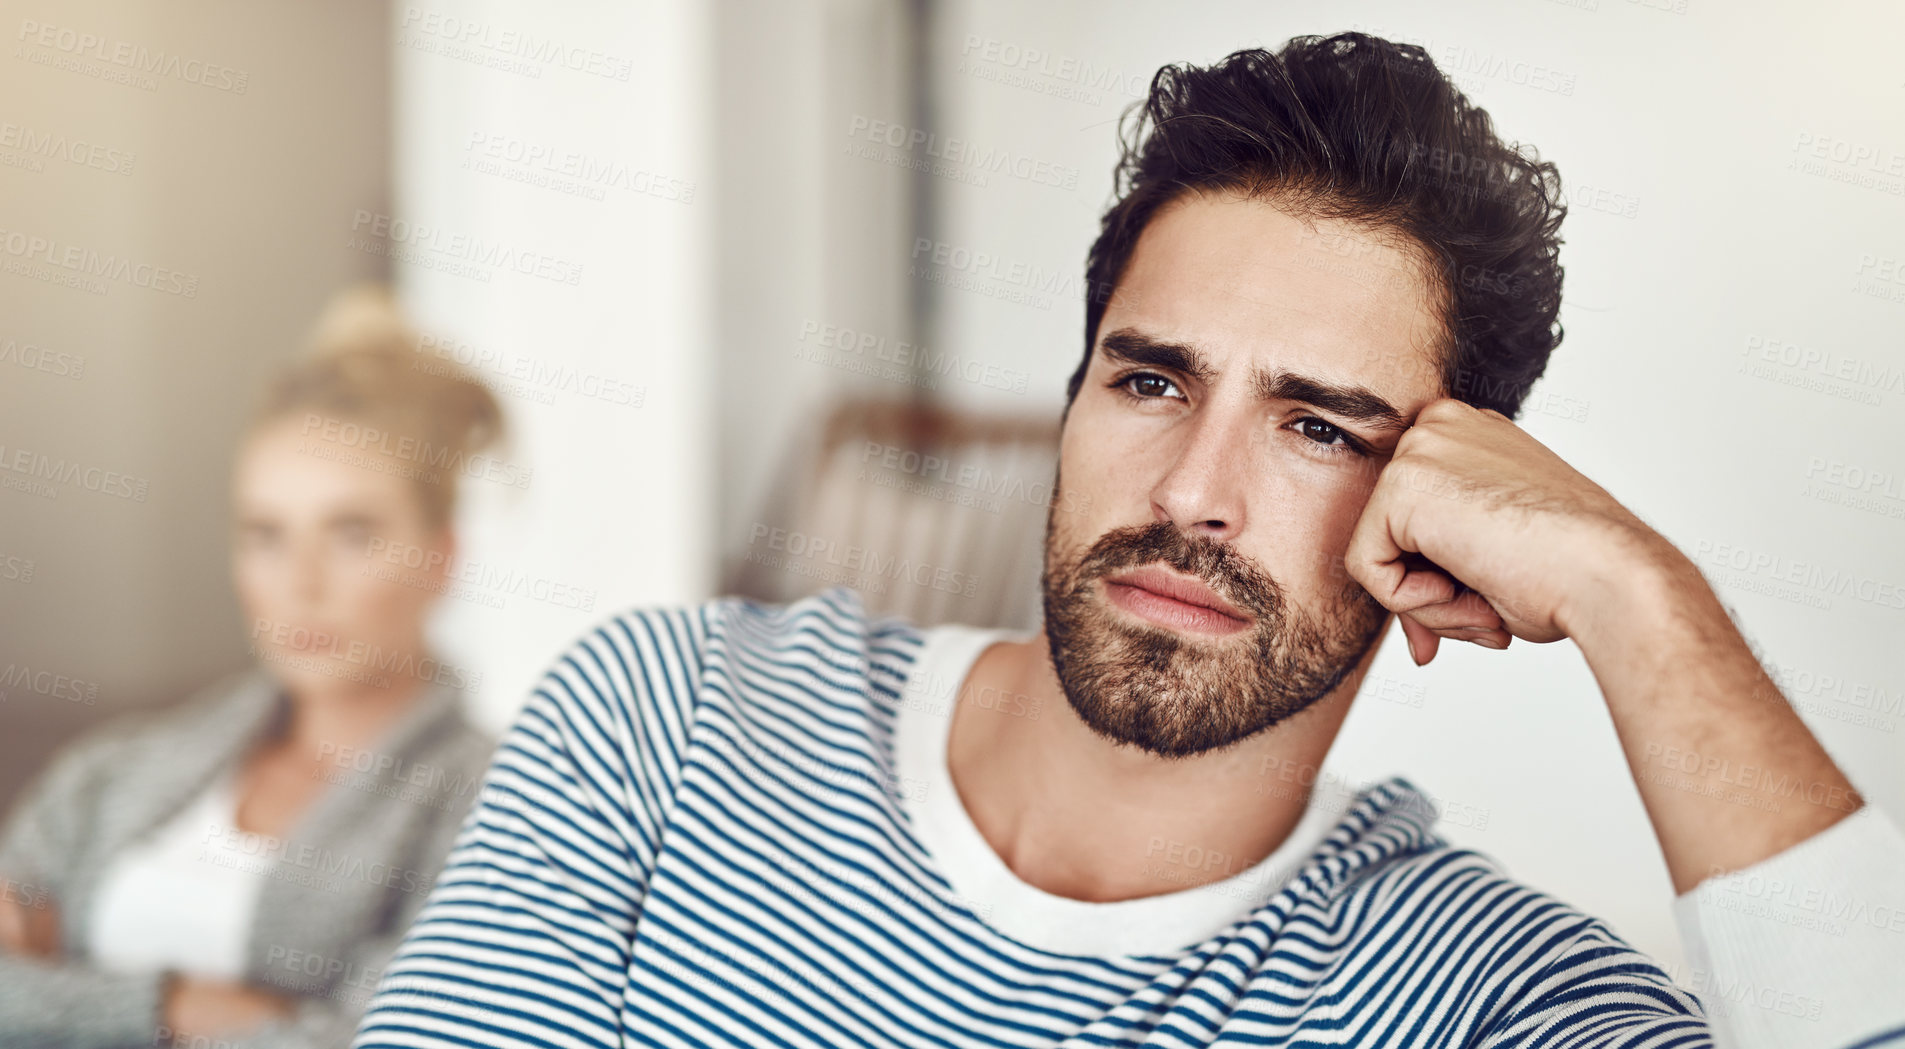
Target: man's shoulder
x=1390 y=846
x=655 y=650
x=1395 y=872
x=836 y=617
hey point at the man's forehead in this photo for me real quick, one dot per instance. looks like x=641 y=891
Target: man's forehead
x=1240 y=278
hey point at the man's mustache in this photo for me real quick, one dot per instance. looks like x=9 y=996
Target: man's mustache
x=1234 y=577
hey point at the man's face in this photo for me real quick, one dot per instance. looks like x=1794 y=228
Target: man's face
x=1251 y=376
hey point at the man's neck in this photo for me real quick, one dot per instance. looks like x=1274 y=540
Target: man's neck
x=1078 y=816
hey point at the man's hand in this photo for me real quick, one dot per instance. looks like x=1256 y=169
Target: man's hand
x=1510 y=532
x=1523 y=545
x=30 y=931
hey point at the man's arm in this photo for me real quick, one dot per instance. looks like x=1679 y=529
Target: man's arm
x=1523 y=545
x=1728 y=772
x=1520 y=544
x=1796 y=934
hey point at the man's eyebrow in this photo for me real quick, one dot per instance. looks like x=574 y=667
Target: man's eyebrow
x=1347 y=400
x=1134 y=347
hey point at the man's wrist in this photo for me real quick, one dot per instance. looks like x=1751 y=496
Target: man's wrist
x=1635 y=583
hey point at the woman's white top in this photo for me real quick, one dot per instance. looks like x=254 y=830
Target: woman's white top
x=181 y=897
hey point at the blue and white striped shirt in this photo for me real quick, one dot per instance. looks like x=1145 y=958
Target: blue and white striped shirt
x=697 y=834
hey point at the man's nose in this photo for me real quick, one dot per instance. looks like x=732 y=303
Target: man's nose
x=1203 y=491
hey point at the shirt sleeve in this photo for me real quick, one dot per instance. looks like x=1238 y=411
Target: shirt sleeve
x=1805 y=948
x=525 y=939
x=1598 y=992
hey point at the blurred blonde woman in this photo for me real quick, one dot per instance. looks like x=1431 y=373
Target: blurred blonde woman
x=240 y=867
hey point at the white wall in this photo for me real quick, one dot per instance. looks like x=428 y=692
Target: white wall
x=744 y=231
x=504 y=112
x=808 y=234
x=1693 y=118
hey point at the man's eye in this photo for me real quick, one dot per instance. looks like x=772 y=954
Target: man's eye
x=1148 y=386
x=1325 y=434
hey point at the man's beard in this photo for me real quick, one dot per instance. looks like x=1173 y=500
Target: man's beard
x=1177 y=696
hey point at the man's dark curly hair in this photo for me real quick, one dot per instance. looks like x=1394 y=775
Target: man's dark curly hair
x=1355 y=127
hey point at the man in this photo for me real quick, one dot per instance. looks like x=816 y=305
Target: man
x=745 y=825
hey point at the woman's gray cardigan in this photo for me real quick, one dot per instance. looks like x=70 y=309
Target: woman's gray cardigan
x=342 y=890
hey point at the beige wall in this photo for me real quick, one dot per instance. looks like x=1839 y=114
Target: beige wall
x=248 y=192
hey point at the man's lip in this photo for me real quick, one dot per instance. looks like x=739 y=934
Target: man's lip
x=1166 y=583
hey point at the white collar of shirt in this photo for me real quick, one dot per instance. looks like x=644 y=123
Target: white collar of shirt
x=1151 y=925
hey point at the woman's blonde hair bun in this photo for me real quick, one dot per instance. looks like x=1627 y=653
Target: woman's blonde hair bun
x=365 y=363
